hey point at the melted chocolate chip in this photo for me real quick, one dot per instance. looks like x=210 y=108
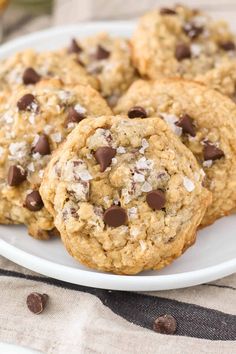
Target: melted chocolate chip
x=227 y=45
x=182 y=51
x=137 y=112
x=74 y=116
x=42 y=146
x=30 y=76
x=104 y=155
x=211 y=152
x=102 y=53
x=54 y=233
x=74 y=47
x=16 y=175
x=36 y=302
x=186 y=123
x=165 y=324
x=33 y=201
x=25 y=102
x=167 y=11
x=156 y=199
x=192 y=30
x=115 y=216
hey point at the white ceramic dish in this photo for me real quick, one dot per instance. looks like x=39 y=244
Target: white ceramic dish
x=213 y=256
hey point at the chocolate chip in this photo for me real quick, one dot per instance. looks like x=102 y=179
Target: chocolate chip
x=42 y=146
x=33 y=201
x=115 y=216
x=54 y=233
x=211 y=152
x=25 y=102
x=167 y=11
x=36 y=302
x=103 y=156
x=165 y=324
x=74 y=47
x=74 y=116
x=102 y=53
x=137 y=112
x=182 y=51
x=186 y=123
x=192 y=30
x=30 y=76
x=228 y=45
x=16 y=175
x=156 y=199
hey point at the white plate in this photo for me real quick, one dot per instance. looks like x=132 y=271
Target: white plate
x=213 y=256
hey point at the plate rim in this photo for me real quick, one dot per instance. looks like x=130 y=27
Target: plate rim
x=87 y=277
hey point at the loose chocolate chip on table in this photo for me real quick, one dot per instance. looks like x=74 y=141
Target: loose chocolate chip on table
x=156 y=199
x=165 y=324
x=25 y=102
x=74 y=47
x=115 y=216
x=186 y=123
x=42 y=146
x=33 y=201
x=228 y=45
x=103 y=156
x=182 y=51
x=211 y=152
x=137 y=112
x=167 y=11
x=30 y=76
x=192 y=30
x=36 y=302
x=102 y=53
x=16 y=175
x=74 y=116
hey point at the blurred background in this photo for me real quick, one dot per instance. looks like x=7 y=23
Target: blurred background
x=18 y=17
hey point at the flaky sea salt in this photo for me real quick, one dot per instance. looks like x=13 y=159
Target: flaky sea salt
x=85 y=175
x=80 y=109
x=134 y=232
x=120 y=150
x=8 y=118
x=138 y=177
x=144 y=164
x=18 y=150
x=188 y=184
x=56 y=137
x=132 y=213
x=196 y=49
x=30 y=167
x=207 y=163
x=171 y=120
x=145 y=145
x=47 y=129
x=146 y=187
x=64 y=95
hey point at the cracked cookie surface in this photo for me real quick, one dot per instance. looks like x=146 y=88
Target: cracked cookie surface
x=126 y=195
x=186 y=43
x=37 y=120
x=205 y=121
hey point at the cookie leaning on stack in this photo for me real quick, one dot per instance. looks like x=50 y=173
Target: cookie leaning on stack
x=38 y=119
x=183 y=42
x=126 y=195
x=205 y=120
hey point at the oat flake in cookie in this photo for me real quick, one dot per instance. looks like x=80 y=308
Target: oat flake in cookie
x=205 y=121
x=36 y=119
x=135 y=204
x=186 y=43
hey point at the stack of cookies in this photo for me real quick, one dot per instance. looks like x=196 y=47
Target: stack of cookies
x=122 y=148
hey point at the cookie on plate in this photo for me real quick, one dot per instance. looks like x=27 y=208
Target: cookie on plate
x=126 y=195
x=186 y=43
x=29 y=67
x=37 y=120
x=109 y=60
x=205 y=121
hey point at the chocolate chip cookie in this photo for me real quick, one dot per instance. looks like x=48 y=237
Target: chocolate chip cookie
x=29 y=67
x=37 y=120
x=107 y=59
x=126 y=195
x=186 y=43
x=204 y=120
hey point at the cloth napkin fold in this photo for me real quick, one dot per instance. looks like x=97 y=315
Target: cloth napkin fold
x=86 y=320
